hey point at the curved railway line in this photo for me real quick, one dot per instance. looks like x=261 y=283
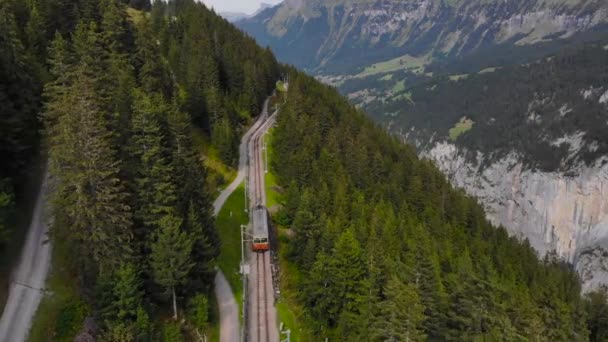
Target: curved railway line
x=262 y=314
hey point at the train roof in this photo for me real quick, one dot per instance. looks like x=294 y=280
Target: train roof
x=260 y=222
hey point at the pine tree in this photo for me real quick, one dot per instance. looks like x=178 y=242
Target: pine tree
x=18 y=97
x=224 y=139
x=114 y=26
x=399 y=316
x=35 y=33
x=62 y=71
x=204 y=250
x=127 y=292
x=89 y=192
x=152 y=72
x=154 y=186
x=597 y=310
x=171 y=257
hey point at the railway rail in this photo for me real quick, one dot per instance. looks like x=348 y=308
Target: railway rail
x=262 y=313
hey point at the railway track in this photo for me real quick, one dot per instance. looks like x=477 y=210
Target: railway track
x=262 y=315
x=262 y=302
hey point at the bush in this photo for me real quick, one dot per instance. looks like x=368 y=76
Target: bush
x=199 y=311
x=173 y=333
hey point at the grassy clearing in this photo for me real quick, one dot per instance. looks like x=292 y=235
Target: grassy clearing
x=399 y=63
x=399 y=86
x=219 y=173
x=273 y=196
x=62 y=310
x=461 y=127
x=387 y=77
x=228 y=224
x=456 y=78
x=404 y=96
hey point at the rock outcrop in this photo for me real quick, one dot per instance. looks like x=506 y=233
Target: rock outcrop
x=565 y=213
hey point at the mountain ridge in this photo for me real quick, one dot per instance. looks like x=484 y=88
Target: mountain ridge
x=338 y=35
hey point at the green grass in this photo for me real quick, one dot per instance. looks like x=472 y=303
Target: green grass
x=399 y=86
x=228 y=224
x=399 y=63
x=387 y=77
x=219 y=174
x=289 y=310
x=62 y=309
x=273 y=196
x=289 y=320
x=404 y=96
x=213 y=330
x=461 y=127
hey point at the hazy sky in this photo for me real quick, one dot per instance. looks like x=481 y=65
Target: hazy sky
x=245 y=6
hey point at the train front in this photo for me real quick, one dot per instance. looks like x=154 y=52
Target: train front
x=260 y=230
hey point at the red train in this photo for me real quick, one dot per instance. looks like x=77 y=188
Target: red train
x=260 y=229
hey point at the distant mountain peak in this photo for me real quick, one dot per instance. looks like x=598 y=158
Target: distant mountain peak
x=262 y=7
x=234 y=16
x=339 y=36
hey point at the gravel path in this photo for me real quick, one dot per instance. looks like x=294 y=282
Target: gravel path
x=28 y=279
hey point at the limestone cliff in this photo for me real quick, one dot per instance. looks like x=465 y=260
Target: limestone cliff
x=567 y=214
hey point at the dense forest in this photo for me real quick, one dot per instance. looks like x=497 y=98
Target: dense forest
x=110 y=92
x=116 y=93
x=387 y=250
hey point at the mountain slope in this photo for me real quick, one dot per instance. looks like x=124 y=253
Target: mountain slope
x=341 y=36
x=129 y=197
x=529 y=141
x=386 y=249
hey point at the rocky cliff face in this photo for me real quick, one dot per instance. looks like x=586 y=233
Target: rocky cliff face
x=326 y=34
x=567 y=214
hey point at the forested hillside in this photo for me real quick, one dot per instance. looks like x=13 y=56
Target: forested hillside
x=387 y=250
x=552 y=112
x=119 y=92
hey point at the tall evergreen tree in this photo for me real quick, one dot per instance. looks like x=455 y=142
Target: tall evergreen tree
x=400 y=315
x=89 y=192
x=154 y=186
x=171 y=258
x=127 y=292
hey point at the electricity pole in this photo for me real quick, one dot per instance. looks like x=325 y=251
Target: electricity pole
x=265 y=148
x=246 y=192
